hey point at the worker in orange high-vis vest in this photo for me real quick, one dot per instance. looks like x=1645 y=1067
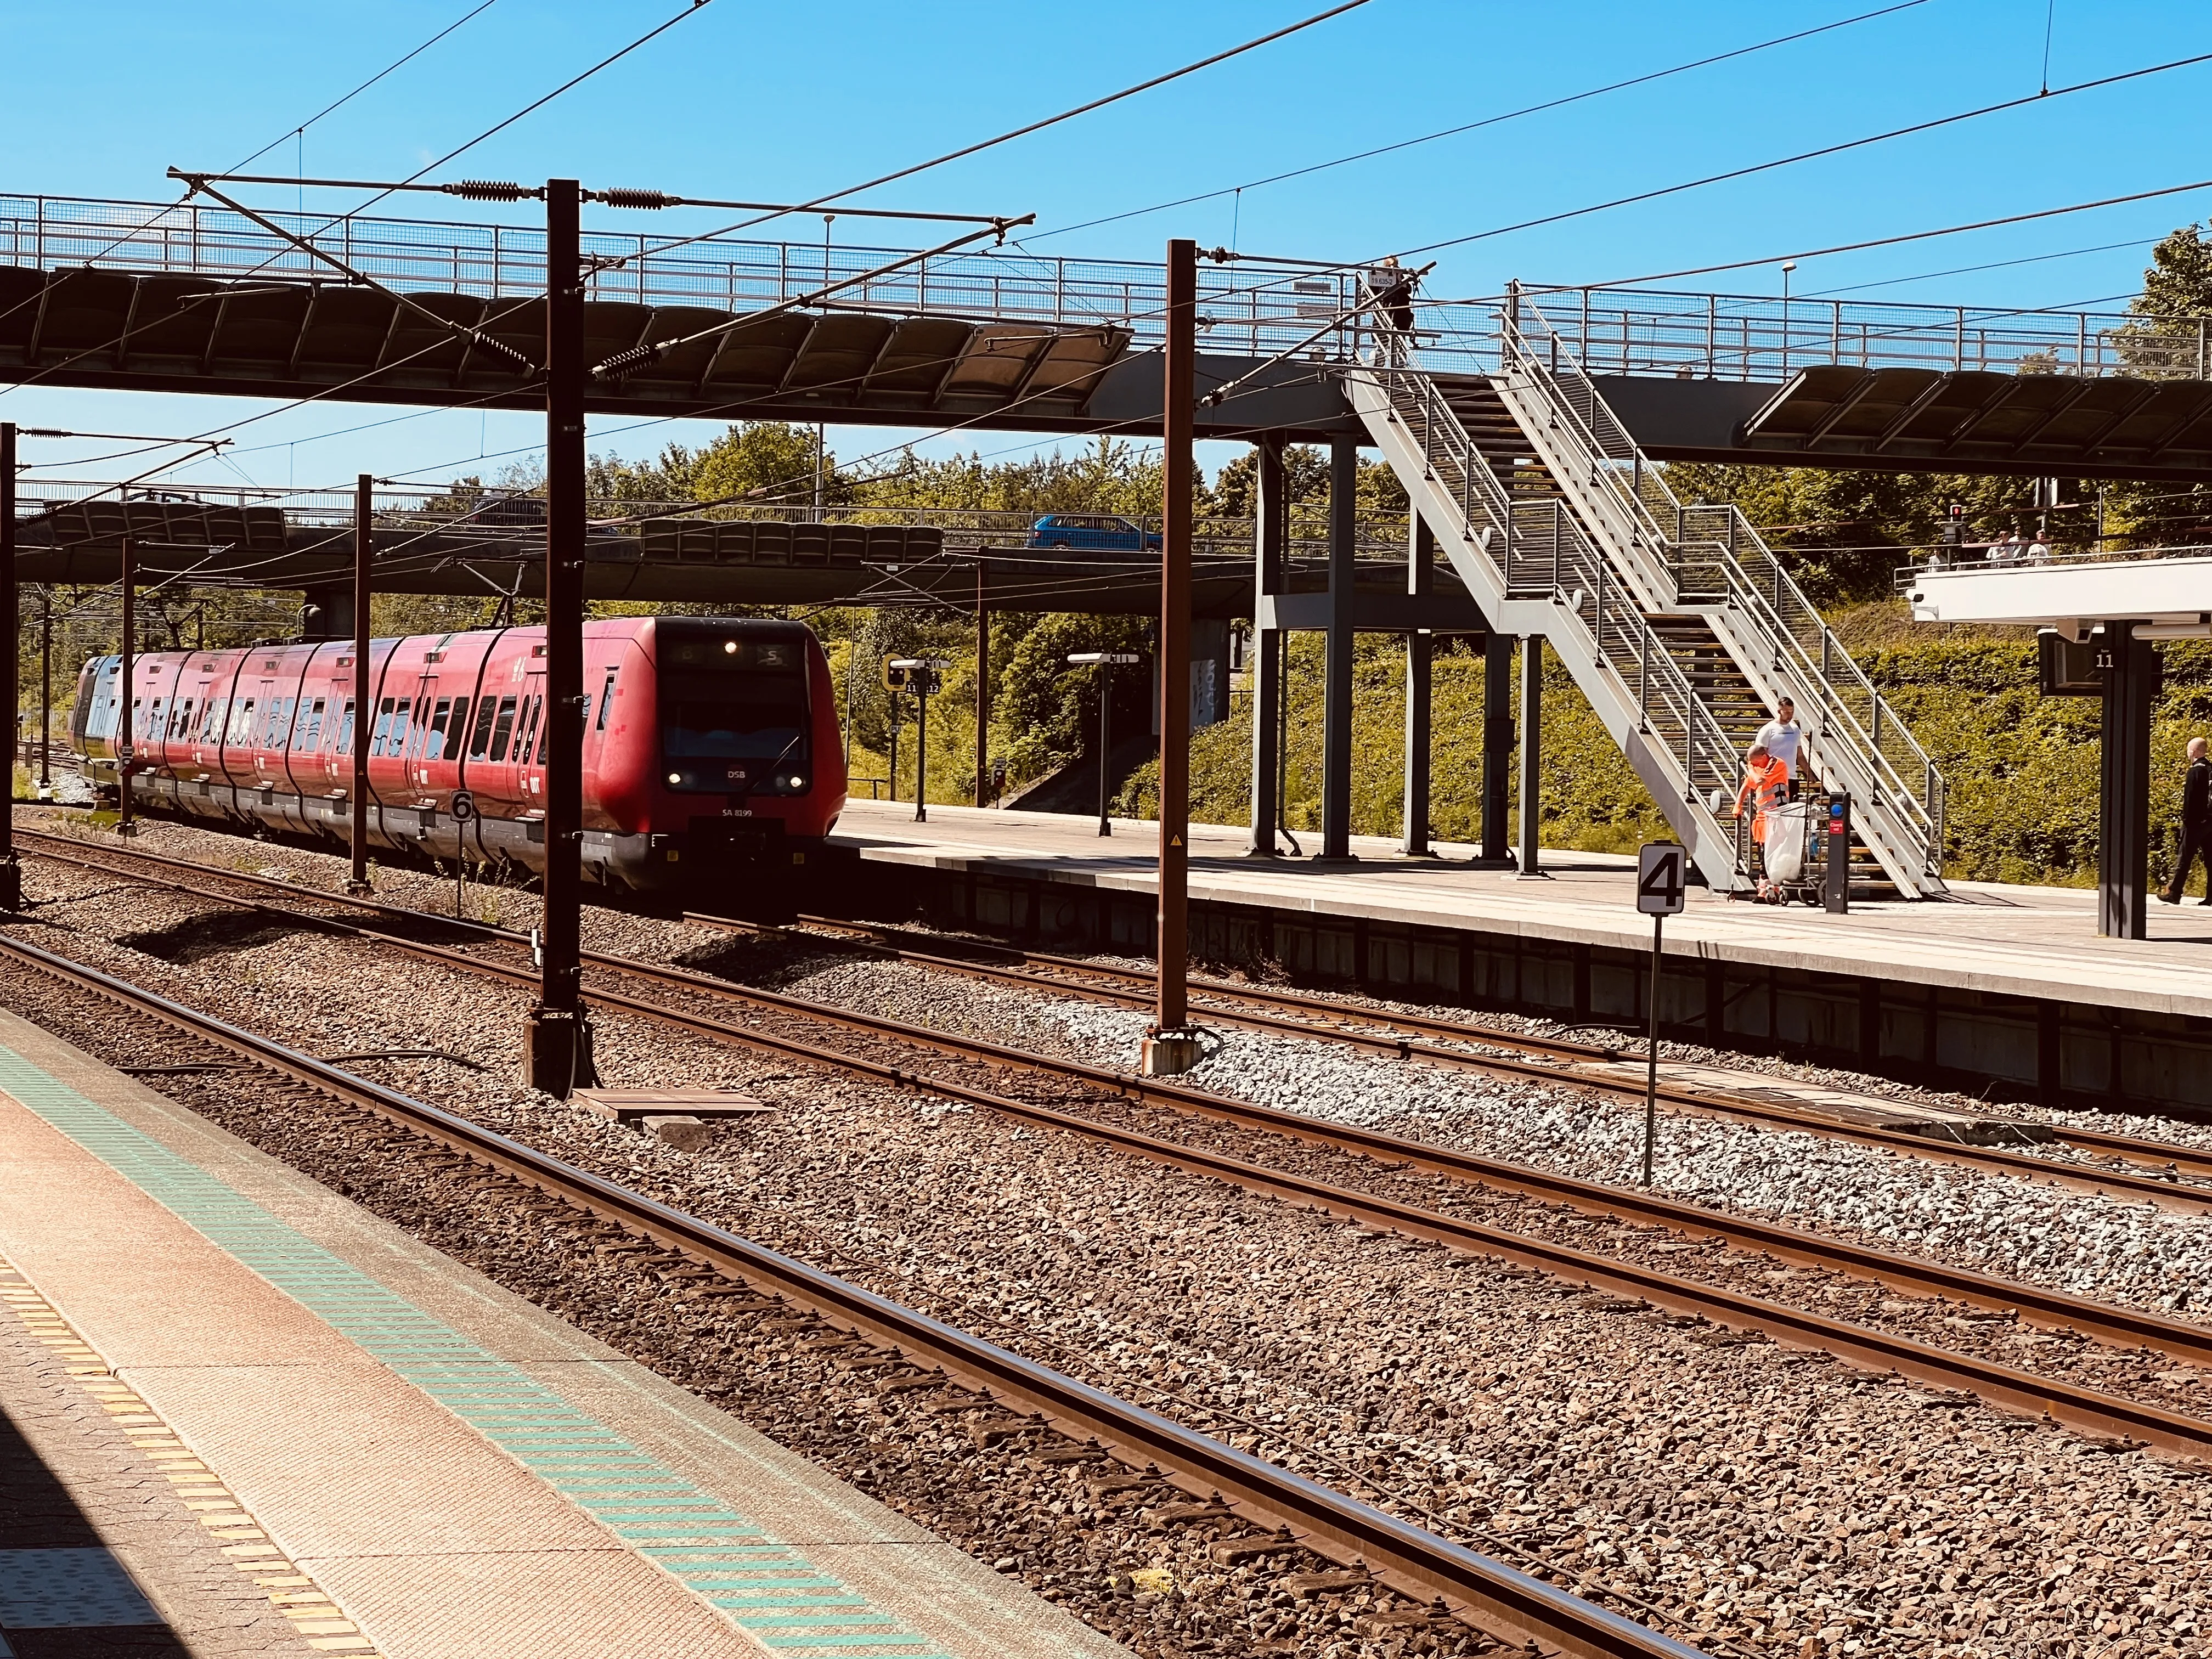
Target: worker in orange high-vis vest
x=1765 y=785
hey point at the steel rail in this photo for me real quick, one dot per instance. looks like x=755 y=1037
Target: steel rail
x=2166 y=1193
x=1512 y=1605
x=2186 y=1160
x=2081 y=1178
x=2111 y=1324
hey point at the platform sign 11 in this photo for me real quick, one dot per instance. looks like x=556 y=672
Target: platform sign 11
x=1662 y=878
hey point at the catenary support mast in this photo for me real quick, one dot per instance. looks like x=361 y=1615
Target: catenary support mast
x=363 y=544
x=11 y=871
x=1171 y=1048
x=558 y=1049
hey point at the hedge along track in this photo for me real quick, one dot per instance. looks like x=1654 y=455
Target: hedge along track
x=2088 y=1410
x=1510 y=1605
x=1556 y=1058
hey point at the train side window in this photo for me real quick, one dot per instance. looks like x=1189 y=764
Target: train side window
x=241 y=724
x=310 y=732
x=378 y=733
x=344 y=744
x=434 y=741
x=458 y=731
x=395 y=742
x=525 y=729
x=480 y=743
x=606 y=697
x=137 y=724
x=504 y=730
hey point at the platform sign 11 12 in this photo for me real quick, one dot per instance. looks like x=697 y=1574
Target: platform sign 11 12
x=1663 y=879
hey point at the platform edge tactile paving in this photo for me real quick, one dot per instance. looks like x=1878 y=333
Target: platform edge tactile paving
x=649 y=1508
x=83 y=1586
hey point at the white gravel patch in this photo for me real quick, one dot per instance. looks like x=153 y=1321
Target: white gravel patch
x=2083 y=1243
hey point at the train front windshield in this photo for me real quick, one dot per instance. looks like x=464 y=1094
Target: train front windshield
x=735 y=717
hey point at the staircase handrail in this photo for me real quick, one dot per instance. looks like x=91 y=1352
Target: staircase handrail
x=1617 y=631
x=1640 y=501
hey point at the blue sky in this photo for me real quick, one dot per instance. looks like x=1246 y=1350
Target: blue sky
x=755 y=100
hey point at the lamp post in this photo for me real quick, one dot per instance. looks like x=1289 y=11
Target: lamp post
x=1788 y=265
x=1105 y=662
x=921 y=676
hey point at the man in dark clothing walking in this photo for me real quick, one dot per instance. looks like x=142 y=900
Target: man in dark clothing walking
x=2196 y=824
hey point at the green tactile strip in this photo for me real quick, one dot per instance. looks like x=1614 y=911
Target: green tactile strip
x=767 y=1588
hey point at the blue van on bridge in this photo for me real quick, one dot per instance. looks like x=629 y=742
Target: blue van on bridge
x=1092 y=533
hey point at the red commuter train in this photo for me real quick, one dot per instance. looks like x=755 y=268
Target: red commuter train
x=711 y=744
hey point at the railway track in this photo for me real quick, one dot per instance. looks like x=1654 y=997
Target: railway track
x=1502 y=1603
x=1293 y=1013
x=2090 y=1411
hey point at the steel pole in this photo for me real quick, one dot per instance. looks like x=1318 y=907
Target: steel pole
x=11 y=871
x=1337 y=683
x=1180 y=362
x=1105 y=740
x=124 y=735
x=1270 y=539
x=559 y=1055
x=1497 y=749
x=363 y=541
x=47 y=689
x=1651 y=1056
x=1420 y=562
x=921 y=752
x=1531 y=755
x=982 y=692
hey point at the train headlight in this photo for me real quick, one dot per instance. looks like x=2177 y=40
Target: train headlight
x=798 y=783
x=675 y=778
x=729 y=648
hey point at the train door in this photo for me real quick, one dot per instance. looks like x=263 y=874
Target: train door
x=530 y=732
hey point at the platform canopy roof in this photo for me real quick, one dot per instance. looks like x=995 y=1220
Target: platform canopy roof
x=2170 y=588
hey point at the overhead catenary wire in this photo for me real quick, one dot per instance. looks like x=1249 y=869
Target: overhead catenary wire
x=1024 y=131
x=1487 y=121
x=332 y=224
x=1658 y=193
x=1918 y=236
x=396 y=64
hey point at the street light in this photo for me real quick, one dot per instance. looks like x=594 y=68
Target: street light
x=920 y=676
x=1105 y=662
x=1788 y=265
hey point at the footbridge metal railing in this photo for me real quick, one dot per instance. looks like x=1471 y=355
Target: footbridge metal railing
x=1251 y=306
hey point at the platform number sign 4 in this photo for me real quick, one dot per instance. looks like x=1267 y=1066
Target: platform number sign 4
x=1661 y=879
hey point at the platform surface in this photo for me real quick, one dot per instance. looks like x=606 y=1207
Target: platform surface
x=256 y=1397
x=2021 y=941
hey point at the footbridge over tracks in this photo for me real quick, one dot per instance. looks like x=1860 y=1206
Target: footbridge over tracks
x=1525 y=430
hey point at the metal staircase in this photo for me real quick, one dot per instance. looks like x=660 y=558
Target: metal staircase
x=1678 y=623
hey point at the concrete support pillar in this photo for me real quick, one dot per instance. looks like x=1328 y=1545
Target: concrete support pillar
x=1270 y=558
x=1531 y=755
x=1420 y=566
x=2123 y=817
x=1496 y=749
x=1336 y=692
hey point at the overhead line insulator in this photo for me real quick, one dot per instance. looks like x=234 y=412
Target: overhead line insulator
x=488 y=190
x=638 y=198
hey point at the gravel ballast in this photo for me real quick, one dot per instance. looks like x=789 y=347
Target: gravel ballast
x=1775 y=1500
